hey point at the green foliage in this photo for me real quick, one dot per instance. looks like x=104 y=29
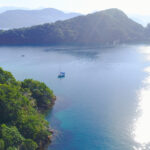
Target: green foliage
x=29 y=144
x=39 y=91
x=12 y=148
x=32 y=125
x=2 y=144
x=6 y=77
x=11 y=103
x=22 y=126
x=11 y=136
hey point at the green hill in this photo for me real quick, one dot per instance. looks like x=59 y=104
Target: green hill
x=108 y=27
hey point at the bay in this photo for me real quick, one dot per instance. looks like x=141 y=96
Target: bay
x=100 y=103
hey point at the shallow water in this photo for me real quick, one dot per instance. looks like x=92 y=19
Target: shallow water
x=102 y=103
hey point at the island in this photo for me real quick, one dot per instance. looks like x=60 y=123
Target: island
x=22 y=120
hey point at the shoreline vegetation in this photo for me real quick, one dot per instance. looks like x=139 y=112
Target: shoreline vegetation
x=22 y=120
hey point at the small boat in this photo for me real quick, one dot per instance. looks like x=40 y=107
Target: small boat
x=61 y=75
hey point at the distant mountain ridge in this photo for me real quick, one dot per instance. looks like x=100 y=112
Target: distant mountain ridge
x=6 y=8
x=27 y=18
x=107 y=27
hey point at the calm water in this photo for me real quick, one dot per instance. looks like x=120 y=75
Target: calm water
x=104 y=101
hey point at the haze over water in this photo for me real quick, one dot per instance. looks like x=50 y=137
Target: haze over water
x=102 y=104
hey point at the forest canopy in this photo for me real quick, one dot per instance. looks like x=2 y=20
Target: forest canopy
x=22 y=125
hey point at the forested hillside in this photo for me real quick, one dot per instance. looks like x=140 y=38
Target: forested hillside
x=22 y=125
x=108 y=27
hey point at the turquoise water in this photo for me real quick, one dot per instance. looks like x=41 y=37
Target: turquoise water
x=98 y=100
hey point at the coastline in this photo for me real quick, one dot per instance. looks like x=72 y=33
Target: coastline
x=51 y=131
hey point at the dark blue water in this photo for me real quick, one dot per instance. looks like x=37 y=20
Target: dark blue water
x=97 y=101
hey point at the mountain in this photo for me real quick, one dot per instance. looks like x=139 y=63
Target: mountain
x=26 y=18
x=147 y=32
x=6 y=8
x=108 y=27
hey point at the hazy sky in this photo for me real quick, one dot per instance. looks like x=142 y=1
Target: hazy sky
x=84 y=6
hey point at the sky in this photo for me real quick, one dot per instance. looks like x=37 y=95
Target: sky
x=83 y=6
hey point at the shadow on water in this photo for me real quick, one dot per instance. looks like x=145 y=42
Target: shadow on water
x=84 y=52
x=76 y=51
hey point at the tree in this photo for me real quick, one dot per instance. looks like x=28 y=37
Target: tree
x=11 y=103
x=11 y=136
x=11 y=148
x=21 y=124
x=29 y=144
x=40 y=92
x=2 y=144
x=6 y=77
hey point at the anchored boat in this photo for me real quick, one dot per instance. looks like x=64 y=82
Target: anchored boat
x=61 y=75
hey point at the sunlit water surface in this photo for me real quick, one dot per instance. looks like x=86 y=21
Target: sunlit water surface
x=142 y=123
x=103 y=103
